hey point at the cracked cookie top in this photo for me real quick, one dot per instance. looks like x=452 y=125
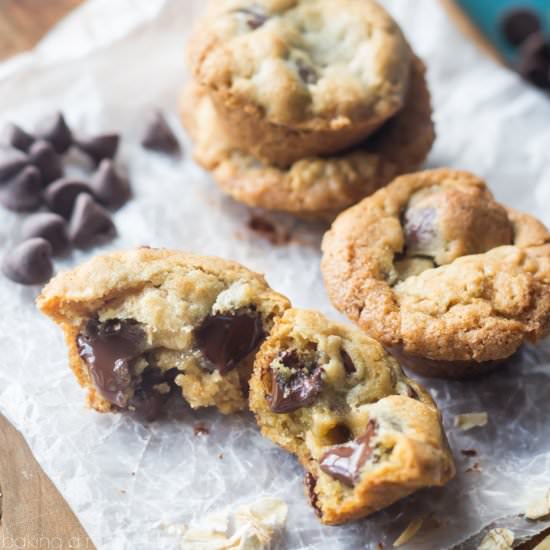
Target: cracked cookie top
x=433 y=265
x=312 y=64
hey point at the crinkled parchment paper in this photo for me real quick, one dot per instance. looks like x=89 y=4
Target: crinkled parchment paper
x=106 y=66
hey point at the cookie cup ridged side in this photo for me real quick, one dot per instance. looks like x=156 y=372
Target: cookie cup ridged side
x=314 y=187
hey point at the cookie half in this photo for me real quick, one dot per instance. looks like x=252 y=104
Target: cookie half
x=142 y=324
x=449 y=280
x=296 y=78
x=366 y=434
x=315 y=186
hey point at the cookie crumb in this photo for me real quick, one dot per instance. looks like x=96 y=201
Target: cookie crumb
x=539 y=508
x=468 y=421
x=497 y=539
x=201 y=429
x=268 y=230
x=475 y=468
x=410 y=532
x=253 y=526
x=468 y=452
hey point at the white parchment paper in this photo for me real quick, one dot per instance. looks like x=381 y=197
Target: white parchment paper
x=106 y=66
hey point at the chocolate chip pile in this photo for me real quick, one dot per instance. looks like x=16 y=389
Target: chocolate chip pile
x=32 y=176
x=523 y=29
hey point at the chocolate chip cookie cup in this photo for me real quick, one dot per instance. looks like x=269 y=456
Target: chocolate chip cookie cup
x=365 y=433
x=315 y=187
x=298 y=78
x=143 y=324
x=446 y=278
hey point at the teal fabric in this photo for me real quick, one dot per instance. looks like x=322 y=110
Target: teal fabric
x=486 y=14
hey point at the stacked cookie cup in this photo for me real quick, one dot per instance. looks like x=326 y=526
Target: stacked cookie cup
x=304 y=107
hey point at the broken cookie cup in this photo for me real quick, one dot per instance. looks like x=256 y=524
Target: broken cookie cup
x=446 y=278
x=296 y=79
x=366 y=434
x=313 y=187
x=143 y=324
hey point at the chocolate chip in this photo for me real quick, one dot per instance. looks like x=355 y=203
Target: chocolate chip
x=307 y=72
x=54 y=130
x=349 y=367
x=100 y=147
x=23 y=193
x=147 y=403
x=61 y=195
x=310 y=483
x=110 y=188
x=12 y=161
x=534 y=62
x=15 y=136
x=44 y=157
x=29 y=263
x=345 y=462
x=226 y=339
x=90 y=222
x=300 y=389
x=108 y=349
x=201 y=429
x=518 y=24
x=51 y=227
x=255 y=16
x=159 y=136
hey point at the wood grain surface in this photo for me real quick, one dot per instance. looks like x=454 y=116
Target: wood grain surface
x=32 y=512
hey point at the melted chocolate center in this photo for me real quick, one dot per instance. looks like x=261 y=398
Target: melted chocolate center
x=344 y=462
x=227 y=339
x=108 y=348
x=300 y=390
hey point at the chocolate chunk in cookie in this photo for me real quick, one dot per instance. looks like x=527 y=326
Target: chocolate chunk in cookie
x=227 y=339
x=108 y=349
x=295 y=383
x=345 y=462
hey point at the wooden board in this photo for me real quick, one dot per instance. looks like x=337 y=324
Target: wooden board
x=31 y=508
x=24 y=22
